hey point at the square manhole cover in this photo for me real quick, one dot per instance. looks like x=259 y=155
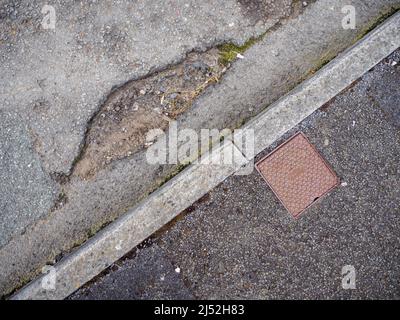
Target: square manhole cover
x=297 y=174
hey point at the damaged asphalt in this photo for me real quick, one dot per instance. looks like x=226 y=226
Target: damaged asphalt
x=57 y=81
x=54 y=81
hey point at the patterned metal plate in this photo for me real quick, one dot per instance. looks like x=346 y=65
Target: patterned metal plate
x=297 y=174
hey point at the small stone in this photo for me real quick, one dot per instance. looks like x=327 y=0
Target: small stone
x=394 y=63
x=275 y=53
x=142 y=92
x=200 y=65
x=240 y=56
x=326 y=142
x=344 y=184
x=173 y=96
x=118 y=246
x=178 y=270
x=305 y=3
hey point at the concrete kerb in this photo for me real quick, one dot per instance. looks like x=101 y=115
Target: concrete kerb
x=301 y=102
x=114 y=241
x=159 y=208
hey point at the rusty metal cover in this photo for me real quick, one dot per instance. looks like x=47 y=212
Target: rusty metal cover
x=297 y=174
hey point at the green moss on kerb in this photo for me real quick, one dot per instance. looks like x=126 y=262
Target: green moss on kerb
x=229 y=51
x=178 y=169
x=382 y=18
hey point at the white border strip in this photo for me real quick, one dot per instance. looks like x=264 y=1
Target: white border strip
x=114 y=241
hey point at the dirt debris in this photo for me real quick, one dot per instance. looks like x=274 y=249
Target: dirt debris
x=119 y=128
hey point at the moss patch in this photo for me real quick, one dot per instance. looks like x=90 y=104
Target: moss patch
x=385 y=15
x=229 y=51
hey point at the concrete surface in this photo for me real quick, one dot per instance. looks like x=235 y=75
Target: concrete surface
x=239 y=241
x=304 y=43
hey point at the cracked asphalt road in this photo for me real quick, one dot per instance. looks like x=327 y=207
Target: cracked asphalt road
x=239 y=242
x=57 y=78
x=56 y=81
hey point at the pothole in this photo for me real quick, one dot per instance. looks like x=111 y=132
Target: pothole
x=119 y=128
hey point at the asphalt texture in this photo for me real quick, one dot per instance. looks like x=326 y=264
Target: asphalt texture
x=57 y=80
x=23 y=182
x=239 y=242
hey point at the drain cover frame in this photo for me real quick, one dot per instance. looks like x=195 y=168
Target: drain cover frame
x=300 y=183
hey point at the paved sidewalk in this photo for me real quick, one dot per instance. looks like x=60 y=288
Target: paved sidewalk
x=239 y=242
